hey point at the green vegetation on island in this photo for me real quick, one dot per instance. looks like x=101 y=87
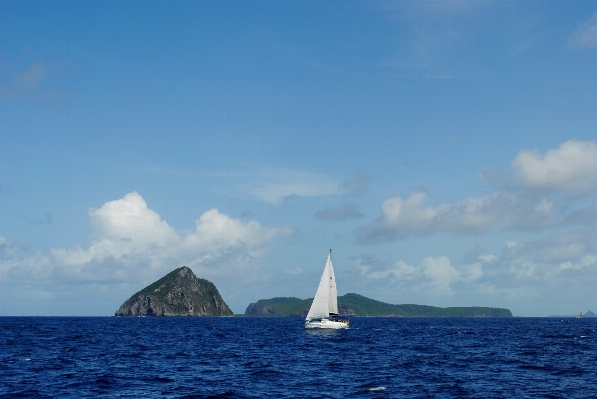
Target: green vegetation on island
x=358 y=305
x=280 y=306
x=179 y=293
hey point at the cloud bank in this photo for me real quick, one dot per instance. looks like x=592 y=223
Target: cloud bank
x=436 y=275
x=534 y=201
x=553 y=193
x=520 y=270
x=130 y=242
x=571 y=168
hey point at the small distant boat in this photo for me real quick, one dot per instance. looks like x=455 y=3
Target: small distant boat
x=580 y=315
x=324 y=309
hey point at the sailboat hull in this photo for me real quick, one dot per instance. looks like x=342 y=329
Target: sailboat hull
x=326 y=323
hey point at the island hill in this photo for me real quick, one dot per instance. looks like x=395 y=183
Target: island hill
x=179 y=293
x=358 y=305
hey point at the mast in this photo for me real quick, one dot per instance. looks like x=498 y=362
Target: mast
x=333 y=296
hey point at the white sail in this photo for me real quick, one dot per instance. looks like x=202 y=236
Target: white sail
x=320 y=308
x=333 y=296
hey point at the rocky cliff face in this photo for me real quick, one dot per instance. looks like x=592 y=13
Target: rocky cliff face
x=179 y=293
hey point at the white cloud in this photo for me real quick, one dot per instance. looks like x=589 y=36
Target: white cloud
x=436 y=274
x=402 y=217
x=217 y=233
x=572 y=167
x=274 y=186
x=569 y=246
x=560 y=265
x=585 y=261
x=275 y=193
x=432 y=276
x=7 y=249
x=548 y=258
x=129 y=241
x=487 y=258
x=585 y=34
x=129 y=218
x=523 y=269
x=294 y=272
x=475 y=272
x=441 y=273
x=399 y=270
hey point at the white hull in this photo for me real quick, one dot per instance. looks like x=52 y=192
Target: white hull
x=326 y=323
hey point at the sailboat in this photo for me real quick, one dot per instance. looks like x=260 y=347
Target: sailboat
x=324 y=309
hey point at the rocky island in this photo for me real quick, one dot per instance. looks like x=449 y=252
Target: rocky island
x=358 y=305
x=179 y=293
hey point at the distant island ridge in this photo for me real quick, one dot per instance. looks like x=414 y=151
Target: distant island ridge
x=181 y=293
x=357 y=305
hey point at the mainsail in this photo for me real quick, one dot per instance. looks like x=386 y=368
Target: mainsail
x=333 y=297
x=326 y=297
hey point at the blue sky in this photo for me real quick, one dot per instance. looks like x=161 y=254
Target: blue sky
x=446 y=151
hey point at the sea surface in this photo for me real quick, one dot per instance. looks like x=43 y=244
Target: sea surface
x=252 y=357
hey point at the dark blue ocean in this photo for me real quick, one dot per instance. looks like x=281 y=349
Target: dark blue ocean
x=245 y=357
